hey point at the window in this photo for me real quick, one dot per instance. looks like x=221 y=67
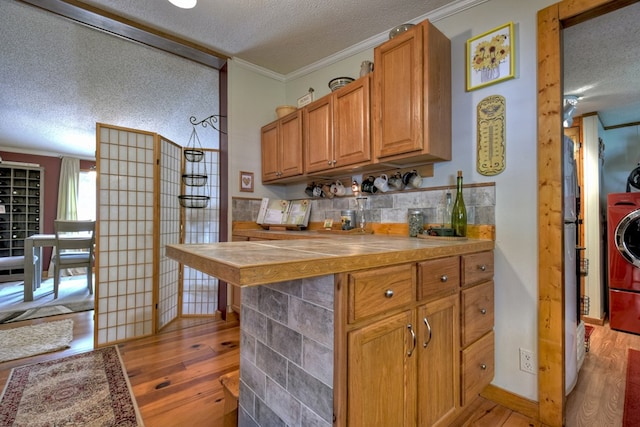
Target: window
x=87 y=195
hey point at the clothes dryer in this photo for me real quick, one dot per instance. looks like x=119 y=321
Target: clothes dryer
x=623 y=236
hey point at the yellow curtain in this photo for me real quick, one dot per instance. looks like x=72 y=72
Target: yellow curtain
x=68 y=201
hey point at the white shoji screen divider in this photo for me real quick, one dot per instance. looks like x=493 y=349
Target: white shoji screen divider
x=125 y=263
x=200 y=291
x=169 y=209
x=138 y=214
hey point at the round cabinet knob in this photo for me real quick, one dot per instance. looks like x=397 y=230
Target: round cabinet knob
x=388 y=293
x=483 y=268
x=444 y=278
x=483 y=367
x=483 y=311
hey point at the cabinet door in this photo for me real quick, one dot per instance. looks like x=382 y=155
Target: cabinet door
x=438 y=363
x=352 y=139
x=398 y=89
x=270 y=149
x=318 y=132
x=381 y=379
x=291 y=145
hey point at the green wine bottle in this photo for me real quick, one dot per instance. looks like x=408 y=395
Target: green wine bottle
x=459 y=212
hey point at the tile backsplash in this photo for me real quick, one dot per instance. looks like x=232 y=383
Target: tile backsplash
x=480 y=201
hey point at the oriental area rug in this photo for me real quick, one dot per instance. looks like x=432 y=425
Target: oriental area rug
x=87 y=389
x=631 y=414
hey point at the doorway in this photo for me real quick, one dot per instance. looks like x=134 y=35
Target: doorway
x=551 y=20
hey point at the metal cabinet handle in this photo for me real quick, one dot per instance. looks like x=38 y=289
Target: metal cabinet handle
x=413 y=337
x=444 y=278
x=483 y=367
x=483 y=311
x=335 y=161
x=329 y=162
x=388 y=293
x=426 y=343
x=482 y=267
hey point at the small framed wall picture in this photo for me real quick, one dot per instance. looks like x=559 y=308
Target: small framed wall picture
x=246 y=181
x=491 y=57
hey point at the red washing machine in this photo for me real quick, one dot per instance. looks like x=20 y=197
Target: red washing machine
x=623 y=235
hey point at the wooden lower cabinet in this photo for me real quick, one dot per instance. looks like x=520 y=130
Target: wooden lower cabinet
x=438 y=366
x=381 y=380
x=405 y=368
x=477 y=367
x=416 y=361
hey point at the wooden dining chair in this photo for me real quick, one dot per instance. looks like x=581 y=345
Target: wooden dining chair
x=75 y=242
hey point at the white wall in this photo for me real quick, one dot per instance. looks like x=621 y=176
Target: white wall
x=622 y=155
x=253 y=98
x=516 y=251
x=593 y=205
x=516 y=259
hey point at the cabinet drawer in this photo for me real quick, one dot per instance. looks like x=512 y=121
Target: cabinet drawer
x=477 y=267
x=477 y=312
x=373 y=292
x=438 y=277
x=477 y=367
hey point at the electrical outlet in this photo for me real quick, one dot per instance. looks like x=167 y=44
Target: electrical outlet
x=526 y=361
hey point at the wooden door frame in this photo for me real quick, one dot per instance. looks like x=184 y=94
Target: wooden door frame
x=551 y=333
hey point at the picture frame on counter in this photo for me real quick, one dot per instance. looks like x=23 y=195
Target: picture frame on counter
x=246 y=181
x=491 y=57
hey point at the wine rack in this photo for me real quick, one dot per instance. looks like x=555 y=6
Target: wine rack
x=21 y=204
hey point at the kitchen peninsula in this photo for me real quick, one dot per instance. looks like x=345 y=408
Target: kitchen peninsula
x=357 y=329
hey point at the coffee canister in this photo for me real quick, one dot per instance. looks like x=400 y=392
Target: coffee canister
x=348 y=219
x=415 y=222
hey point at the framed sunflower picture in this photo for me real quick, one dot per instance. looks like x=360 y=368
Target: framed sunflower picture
x=491 y=57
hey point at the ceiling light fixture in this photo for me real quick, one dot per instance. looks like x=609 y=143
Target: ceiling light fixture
x=570 y=102
x=184 y=4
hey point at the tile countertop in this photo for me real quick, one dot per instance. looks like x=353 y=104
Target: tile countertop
x=254 y=263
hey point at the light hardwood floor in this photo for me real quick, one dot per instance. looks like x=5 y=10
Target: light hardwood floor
x=175 y=374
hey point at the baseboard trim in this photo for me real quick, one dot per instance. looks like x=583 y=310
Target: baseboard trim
x=512 y=401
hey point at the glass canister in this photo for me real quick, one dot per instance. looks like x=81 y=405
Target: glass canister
x=348 y=219
x=416 y=222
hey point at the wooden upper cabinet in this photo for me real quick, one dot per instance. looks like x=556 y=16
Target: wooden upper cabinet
x=318 y=135
x=337 y=128
x=270 y=150
x=411 y=106
x=282 y=148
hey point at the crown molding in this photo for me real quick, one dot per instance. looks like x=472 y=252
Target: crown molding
x=259 y=70
x=370 y=43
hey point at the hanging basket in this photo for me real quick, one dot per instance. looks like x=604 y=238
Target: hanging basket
x=193 y=155
x=192 y=180
x=193 y=201
x=193 y=151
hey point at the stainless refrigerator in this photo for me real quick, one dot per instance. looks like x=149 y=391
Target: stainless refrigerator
x=572 y=302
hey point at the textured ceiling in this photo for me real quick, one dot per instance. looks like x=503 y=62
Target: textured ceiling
x=279 y=35
x=284 y=36
x=602 y=65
